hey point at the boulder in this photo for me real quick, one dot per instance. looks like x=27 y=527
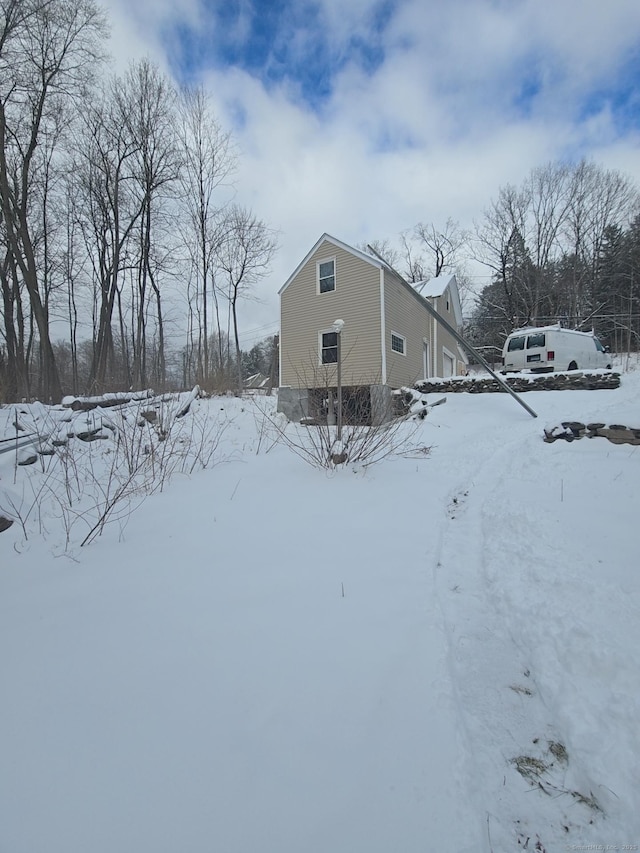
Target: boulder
x=5 y=523
x=27 y=456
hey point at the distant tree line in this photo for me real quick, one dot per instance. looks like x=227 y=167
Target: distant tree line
x=114 y=199
x=562 y=247
x=262 y=358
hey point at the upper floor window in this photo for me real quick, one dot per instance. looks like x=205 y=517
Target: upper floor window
x=326 y=275
x=398 y=343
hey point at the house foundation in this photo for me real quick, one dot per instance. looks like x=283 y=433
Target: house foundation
x=362 y=404
x=381 y=406
x=293 y=403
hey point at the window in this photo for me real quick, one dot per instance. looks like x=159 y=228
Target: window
x=326 y=276
x=536 y=340
x=398 y=343
x=515 y=343
x=329 y=347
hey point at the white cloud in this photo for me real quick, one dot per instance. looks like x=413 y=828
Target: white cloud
x=145 y=27
x=432 y=134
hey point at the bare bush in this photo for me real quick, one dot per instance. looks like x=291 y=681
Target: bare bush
x=101 y=465
x=363 y=440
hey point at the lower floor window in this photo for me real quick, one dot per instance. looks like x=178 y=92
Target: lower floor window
x=329 y=347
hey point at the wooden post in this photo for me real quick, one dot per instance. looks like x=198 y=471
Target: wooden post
x=274 y=364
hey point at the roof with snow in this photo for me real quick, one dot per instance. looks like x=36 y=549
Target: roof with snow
x=433 y=287
x=555 y=327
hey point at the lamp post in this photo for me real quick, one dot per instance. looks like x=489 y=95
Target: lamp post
x=337 y=327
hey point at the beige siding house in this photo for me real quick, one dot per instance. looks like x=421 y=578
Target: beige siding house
x=388 y=339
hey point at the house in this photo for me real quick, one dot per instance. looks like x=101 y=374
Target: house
x=388 y=338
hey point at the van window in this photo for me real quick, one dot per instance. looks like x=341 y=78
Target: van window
x=598 y=344
x=536 y=340
x=515 y=343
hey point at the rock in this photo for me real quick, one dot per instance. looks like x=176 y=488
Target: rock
x=615 y=433
x=27 y=456
x=5 y=523
x=90 y=434
x=559 y=432
x=79 y=406
x=576 y=427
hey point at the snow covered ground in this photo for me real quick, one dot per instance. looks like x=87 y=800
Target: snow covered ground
x=437 y=653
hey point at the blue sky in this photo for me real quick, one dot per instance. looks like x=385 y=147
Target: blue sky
x=498 y=55
x=364 y=117
x=279 y=42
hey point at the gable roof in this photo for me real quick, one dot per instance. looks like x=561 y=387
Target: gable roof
x=435 y=286
x=432 y=288
x=422 y=290
x=339 y=245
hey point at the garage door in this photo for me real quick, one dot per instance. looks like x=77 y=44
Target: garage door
x=448 y=365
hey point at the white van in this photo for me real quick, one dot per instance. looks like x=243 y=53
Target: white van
x=547 y=348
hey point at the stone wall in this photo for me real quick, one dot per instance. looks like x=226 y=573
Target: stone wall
x=574 y=381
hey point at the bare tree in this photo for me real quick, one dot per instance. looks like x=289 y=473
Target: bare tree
x=129 y=159
x=244 y=256
x=413 y=260
x=519 y=239
x=444 y=245
x=499 y=245
x=49 y=50
x=384 y=248
x=599 y=200
x=543 y=241
x=208 y=164
x=109 y=211
x=149 y=113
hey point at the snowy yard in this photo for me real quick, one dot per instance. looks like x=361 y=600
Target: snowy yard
x=436 y=653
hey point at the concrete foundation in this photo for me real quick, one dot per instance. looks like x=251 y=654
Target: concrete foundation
x=294 y=403
x=381 y=407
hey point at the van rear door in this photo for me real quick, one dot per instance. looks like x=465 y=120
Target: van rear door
x=513 y=356
x=536 y=350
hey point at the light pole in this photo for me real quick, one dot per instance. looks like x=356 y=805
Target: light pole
x=337 y=328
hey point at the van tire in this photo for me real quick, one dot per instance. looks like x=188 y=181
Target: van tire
x=572 y=366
